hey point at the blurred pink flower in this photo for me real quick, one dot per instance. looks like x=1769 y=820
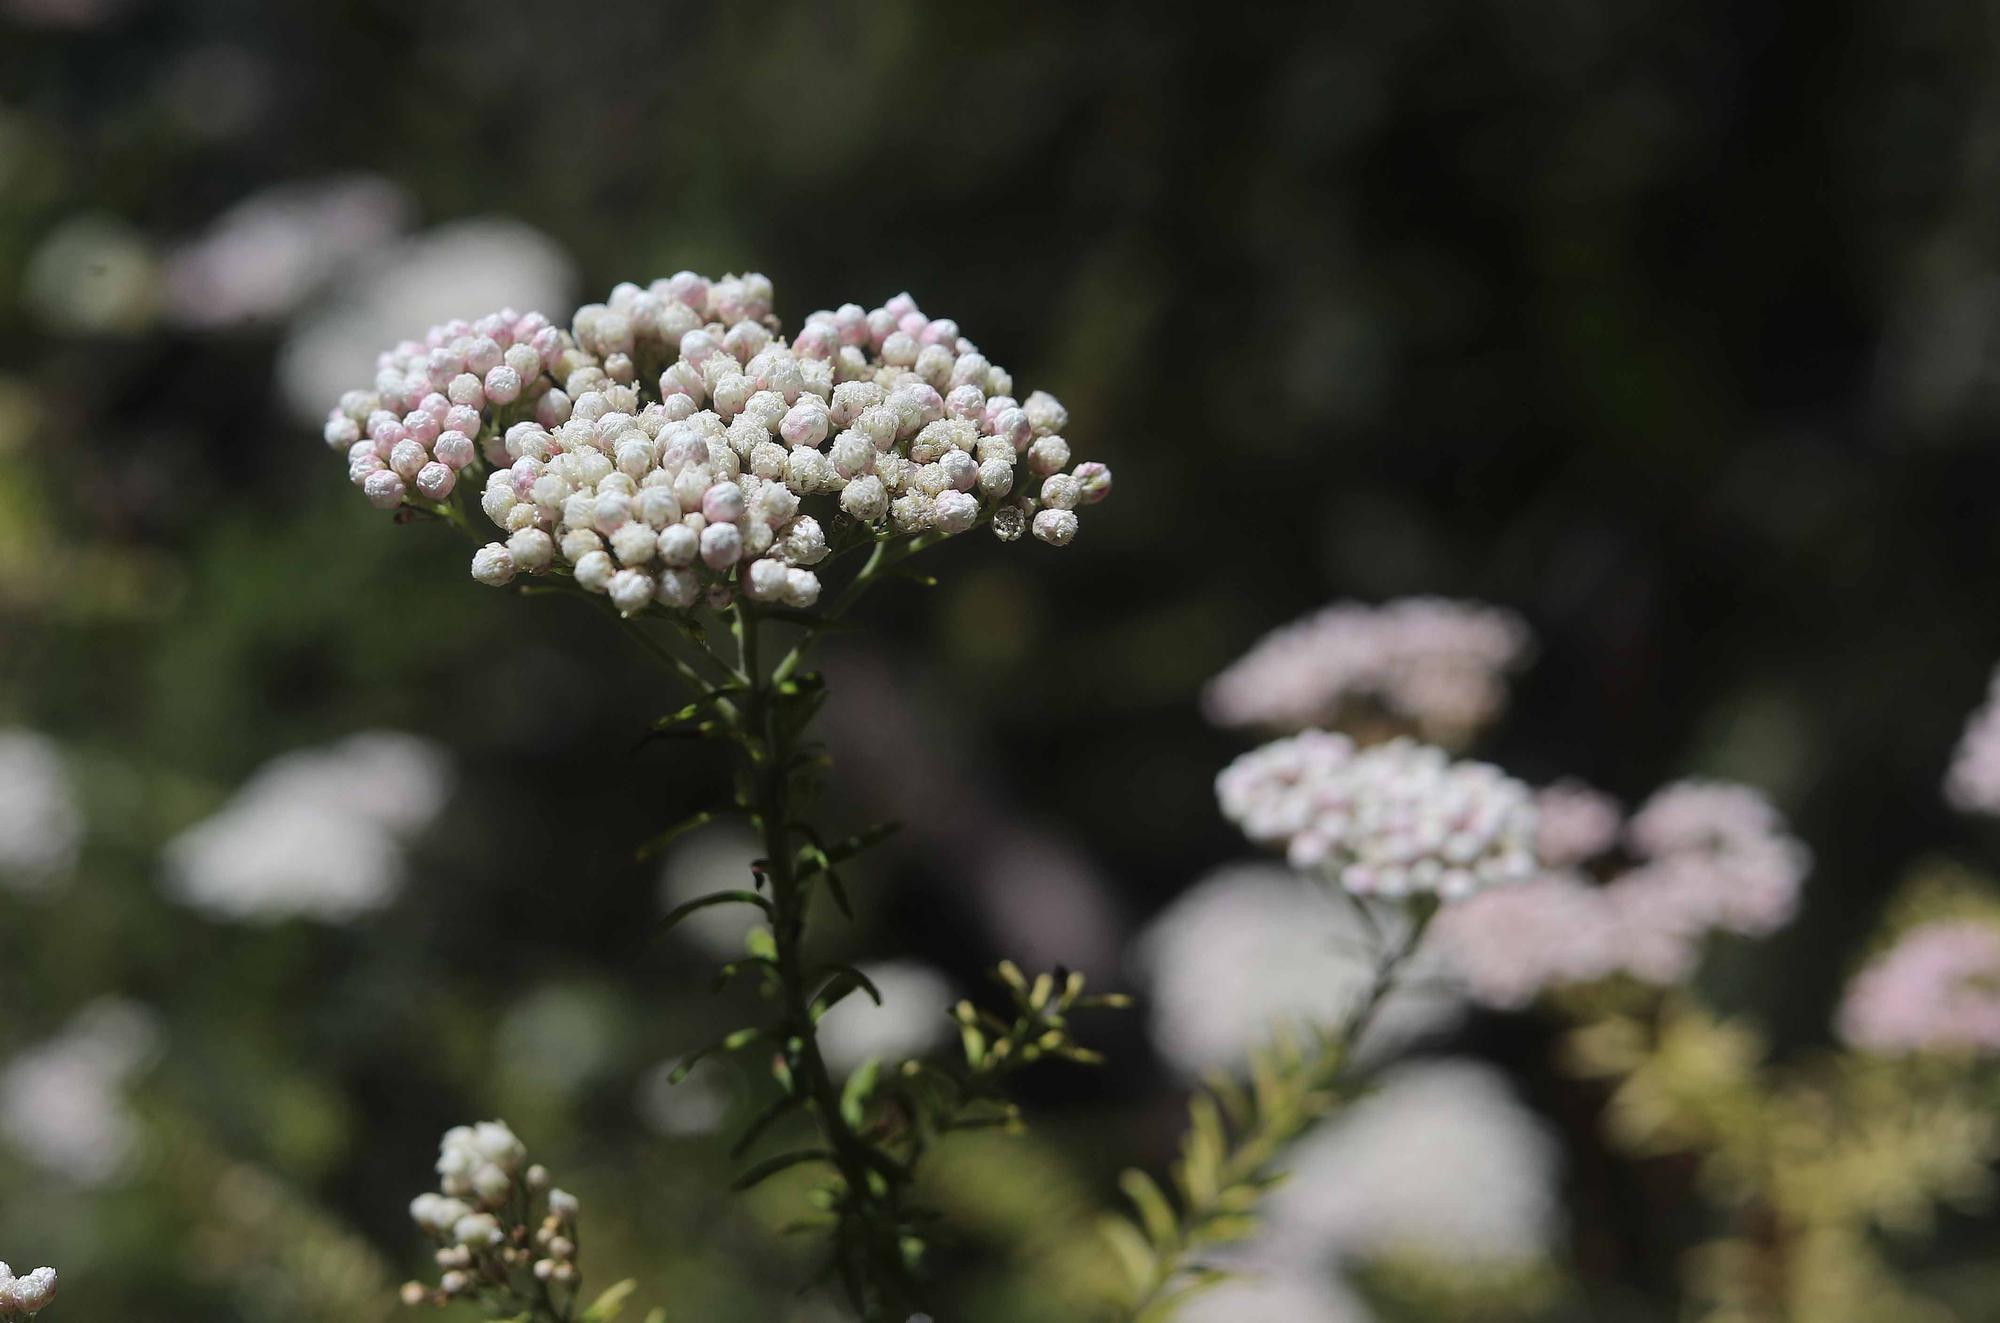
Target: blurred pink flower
x=1937 y=988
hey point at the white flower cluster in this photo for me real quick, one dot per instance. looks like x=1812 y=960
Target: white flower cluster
x=315 y=833
x=63 y=1103
x=1392 y=820
x=1250 y=951
x=1700 y=857
x=1439 y=664
x=41 y=827
x=672 y=448
x=479 y=1219
x=1443 y=1160
x=25 y=1297
x=1973 y=783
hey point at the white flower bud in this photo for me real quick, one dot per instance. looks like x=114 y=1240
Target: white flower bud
x=634 y=543
x=679 y=545
x=1049 y=454
x=657 y=507
x=1061 y=491
x=1055 y=527
x=960 y=469
x=532 y=550
x=383 y=489
x=851 y=454
x=490 y=1183
x=594 y=571
x=805 y=541
x=478 y=1231
x=721 y=546
x=455 y=1283
x=766 y=580
x=801 y=588
x=631 y=590
x=865 y=499
x=912 y=512
x=465 y=389
x=956 y=511
x=1045 y=413
x=562 y=1206
x=678 y=588
x=996 y=478
x=578 y=543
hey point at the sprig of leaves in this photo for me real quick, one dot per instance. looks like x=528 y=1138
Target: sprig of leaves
x=1236 y=1133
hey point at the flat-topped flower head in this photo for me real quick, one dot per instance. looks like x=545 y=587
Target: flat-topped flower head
x=1699 y=857
x=672 y=447
x=1440 y=666
x=1936 y=990
x=1394 y=820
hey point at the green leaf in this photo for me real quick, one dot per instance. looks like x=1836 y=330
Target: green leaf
x=839 y=894
x=611 y=1304
x=1155 y=1213
x=658 y=1315
x=1135 y=1256
x=846 y=979
x=854 y=1095
x=733 y=1042
x=675 y=832
x=714 y=898
x=770 y=1167
x=765 y=1119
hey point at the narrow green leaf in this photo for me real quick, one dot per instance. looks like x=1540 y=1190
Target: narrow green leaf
x=846 y=979
x=714 y=898
x=1155 y=1213
x=675 y=832
x=783 y=1106
x=733 y=1042
x=855 y=1094
x=1134 y=1255
x=611 y=1304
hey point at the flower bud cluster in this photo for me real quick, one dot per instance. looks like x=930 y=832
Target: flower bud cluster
x=1439 y=665
x=1393 y=820
x=1937 y=989
x=1699 y=857
x=672 y=448
x=25 y=1297
x=480 y=1220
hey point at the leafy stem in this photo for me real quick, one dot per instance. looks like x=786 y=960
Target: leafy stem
x=1234 y=1139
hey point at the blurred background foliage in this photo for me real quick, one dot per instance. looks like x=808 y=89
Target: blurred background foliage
x=1674 y=327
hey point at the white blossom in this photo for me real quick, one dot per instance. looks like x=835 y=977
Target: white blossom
x=62 y=1103
x=1441 y=1159
x=1255 y=950
x=318 y=833
x=264 y=257
x=41 y=825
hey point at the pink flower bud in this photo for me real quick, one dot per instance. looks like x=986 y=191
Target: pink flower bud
x=503 y=384
x=722 y=504
x=465 y=389
x=721 y=546
x=421 y=427
x=436 y=480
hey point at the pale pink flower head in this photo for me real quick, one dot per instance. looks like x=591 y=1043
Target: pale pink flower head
x=1937 y=989
x=1440 y=666
x=1700 y=857
x=1393 y=820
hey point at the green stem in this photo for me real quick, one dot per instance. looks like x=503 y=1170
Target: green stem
x=869 y=1250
